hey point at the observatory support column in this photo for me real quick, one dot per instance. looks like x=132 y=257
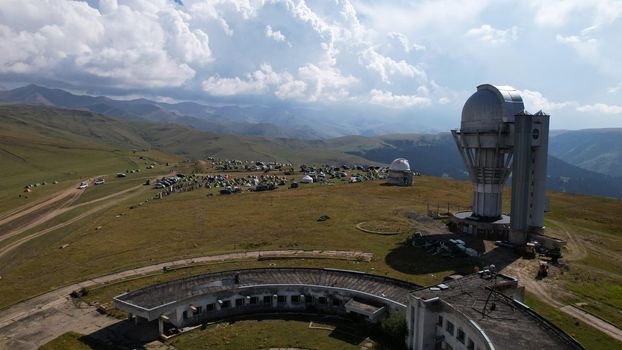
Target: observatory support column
x=540 y=135
x=522 y=166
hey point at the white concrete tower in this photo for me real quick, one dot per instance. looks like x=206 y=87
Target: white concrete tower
x=485 y=144
x=497 y=137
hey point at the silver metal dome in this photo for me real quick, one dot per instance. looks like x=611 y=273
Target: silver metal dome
x=400 y=164
x=490 y=106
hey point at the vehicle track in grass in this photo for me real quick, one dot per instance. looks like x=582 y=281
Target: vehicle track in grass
x=108 y=201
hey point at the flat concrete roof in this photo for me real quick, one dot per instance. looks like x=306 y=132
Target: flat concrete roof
x=511 y=325
x=174 y=291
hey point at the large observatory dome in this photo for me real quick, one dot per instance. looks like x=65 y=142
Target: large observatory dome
x=400 y=164
x=490 y=106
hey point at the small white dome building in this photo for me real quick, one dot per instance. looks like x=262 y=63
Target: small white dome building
x=307 y=179
x=400 y=173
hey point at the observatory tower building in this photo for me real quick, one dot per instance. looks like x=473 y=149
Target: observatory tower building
x=497 y=137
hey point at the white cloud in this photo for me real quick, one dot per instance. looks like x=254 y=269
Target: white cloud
x=535 y=101
x=600 y=108
x=388 y=99
x=492 y=35
x=405 y=42
x=135 y=44
x=557 y=13
x=274 y=34
x=254 y=83
x=312 y=83
x=386 y=66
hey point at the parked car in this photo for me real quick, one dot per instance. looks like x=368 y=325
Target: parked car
x=83 y=185
x=121 y=175
x=99 y=181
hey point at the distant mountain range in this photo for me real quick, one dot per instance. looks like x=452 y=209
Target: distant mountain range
x=250 y=121
x=437 y=155
x=599 y=150
x=431 y=154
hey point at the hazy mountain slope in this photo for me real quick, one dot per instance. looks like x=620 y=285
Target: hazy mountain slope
x=42 y=144
x=253 y=121
x=82 y=128
x=430 y=154
x=437 y=155
x=599 y=150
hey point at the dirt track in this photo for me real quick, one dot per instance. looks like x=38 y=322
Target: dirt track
x=110 y=200
x=33 y=322
x=549 y=293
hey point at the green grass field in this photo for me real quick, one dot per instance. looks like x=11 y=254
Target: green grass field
x=266 y=334
x=192 y=224
x=75 y=341
x=589 y=337
x=56 y=146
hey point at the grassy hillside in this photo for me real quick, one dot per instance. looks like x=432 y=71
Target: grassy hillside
x=599 y=150
x=86 y=133
x=47 y=145
x=437 y=155
x=89 y=130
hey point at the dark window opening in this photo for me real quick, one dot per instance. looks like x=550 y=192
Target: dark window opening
x=210 y=307
x=336 y=302
x=295 y=298
x=281 y=299
x=449 y=328
x=267 y=299
x=239 y=302
x=460 y=336
x=253 y=300
x=225 y=304
x=322 y=300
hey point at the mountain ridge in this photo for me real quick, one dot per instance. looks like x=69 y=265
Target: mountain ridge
x=431 y=154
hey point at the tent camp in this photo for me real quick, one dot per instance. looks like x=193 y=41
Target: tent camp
x=400 y=173
x=307 y=179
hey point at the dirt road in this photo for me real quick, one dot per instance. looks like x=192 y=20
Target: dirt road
x=33 y=322
x=549 y=293
x=108 y=201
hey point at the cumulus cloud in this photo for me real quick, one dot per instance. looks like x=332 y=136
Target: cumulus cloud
x=406 y=44
x=534 y=101
x=274 y=34
x=386 y=66
x=600 y=108
x=388 y=99
x=556 y=13
x=487 y=33
x=254 y=83
x=311 y=83
x=135 y=44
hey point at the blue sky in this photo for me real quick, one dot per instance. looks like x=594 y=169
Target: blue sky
x=410 y=63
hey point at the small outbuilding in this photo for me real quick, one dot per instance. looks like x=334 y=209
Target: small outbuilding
x=307 y=179
x=400 y=173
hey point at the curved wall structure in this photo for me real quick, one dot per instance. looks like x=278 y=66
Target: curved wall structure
x=215 y=296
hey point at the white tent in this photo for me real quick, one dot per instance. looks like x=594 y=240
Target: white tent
x=307 y=179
